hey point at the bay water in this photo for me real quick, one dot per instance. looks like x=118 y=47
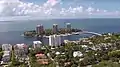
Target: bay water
x=10 y=31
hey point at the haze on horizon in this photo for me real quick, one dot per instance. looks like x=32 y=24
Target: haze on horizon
x=48 y=9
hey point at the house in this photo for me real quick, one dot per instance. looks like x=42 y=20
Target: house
x=6 y=47
x=67 y=64
x=42 y=61
x=90 y=43
x=110 y=34
x=57 y=53
x=42 y=58
x=107 y=38
x=66 y=41
x=77 y=54
x=84 y=46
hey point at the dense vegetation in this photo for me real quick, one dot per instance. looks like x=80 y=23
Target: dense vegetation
x=104 y=51
x=33 y=59
x=105 y=54
x=1 y=54
x=48 y=32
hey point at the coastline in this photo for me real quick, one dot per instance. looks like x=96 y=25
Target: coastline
x=12 y=34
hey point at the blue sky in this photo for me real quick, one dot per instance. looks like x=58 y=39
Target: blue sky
x=59 y=8
x=102 y=4
x=105 y=4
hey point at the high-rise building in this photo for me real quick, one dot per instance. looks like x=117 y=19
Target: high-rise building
x=40 y=32
x=21 y=50
x=55 y=28
x=7 y=47
x=68 y=27
x=55 y=40
x=40 y=29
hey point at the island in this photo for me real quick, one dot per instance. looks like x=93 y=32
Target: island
x=47 y=32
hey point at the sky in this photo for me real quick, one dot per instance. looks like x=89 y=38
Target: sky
x=42 y=9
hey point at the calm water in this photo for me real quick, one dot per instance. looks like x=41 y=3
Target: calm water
x=10 y=31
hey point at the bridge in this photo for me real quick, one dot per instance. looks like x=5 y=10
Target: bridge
x=86 y=32
x=78 y=33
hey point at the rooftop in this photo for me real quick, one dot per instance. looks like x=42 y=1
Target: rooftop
x=37 y=42
x=55 y=24
x=21 y=46
x=68 y=23
x=39 y=25
x=6 y=44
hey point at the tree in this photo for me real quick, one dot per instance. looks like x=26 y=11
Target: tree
x=15 y=62
x=106 y=64
x=74 y=65
x=1 y=54
x=48 y=32
x=115 y=53
x=0 y=49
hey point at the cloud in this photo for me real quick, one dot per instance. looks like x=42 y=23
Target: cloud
x=49 y=9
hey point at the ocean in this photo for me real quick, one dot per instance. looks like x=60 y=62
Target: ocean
x=10 y=31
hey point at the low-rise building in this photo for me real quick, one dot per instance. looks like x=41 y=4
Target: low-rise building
x=6 y=47
x=107 y=38
x=6 y=57
x=110 y=34
x=66 y=41
x=37 y=44
x=77 y=54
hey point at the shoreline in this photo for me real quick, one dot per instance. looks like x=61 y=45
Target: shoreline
x=29 y=41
